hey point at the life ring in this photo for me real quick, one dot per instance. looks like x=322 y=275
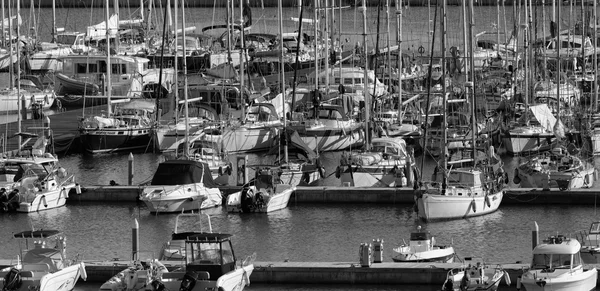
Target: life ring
x=421 y=49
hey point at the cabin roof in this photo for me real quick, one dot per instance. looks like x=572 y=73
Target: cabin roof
x=128 y=59
x=203 y=237
x=567 y=246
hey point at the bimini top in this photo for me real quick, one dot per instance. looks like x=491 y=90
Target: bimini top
x=42 y=233
x=202 y=237
x=182 y=172
x=558 y=245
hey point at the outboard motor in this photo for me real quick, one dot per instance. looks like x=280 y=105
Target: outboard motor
x=188 y=281
x=157 y=285
x=12 y=280
x=247 y=200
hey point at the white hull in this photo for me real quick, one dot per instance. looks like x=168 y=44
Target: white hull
x=516 y=144
x=10 y=103
x=243 y=139
x=574 y=180
x=46 y=200
x=584 y=281
x=235 y=280
x=438 y=207
x=377 y=176
x=180 y=198
x=445 y=255
x=595 y=138
x=274 y=202
x=61 y=280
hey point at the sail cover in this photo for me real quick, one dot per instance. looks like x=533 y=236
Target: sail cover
x=181 y=172
x=544 y=116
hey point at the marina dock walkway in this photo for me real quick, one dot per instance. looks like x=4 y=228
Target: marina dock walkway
x=331 y=194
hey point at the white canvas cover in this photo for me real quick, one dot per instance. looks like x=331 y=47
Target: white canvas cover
x=98 y=31
x=544 y=116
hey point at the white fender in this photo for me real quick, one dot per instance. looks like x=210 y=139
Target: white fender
x=82 y=270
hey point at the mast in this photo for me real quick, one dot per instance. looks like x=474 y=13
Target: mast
x=326 y=40
x=242 y=61
x=595 y=58
x=185 y=81
x=3 y=37
x=558 y=67
x=526 y=62
x=466 y=50
x=366 y=76
x=18 y=73
x=498 y=27
x=400 y=69
x=54 y=32
x=11 y=72
x=281 y=74
x=162 y=54
x=444 y=102
x=229 y=22
x=117 y=37
x=471 y=82
x=175 y=57
x=108 y=65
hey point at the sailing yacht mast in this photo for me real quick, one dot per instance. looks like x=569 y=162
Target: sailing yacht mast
x=471 y=82
x=400 y=69
x=366 y=77
x=444 y=103
x=54 y=32
x=185 y=82
x=281 y=75
x=18 y=73
x=242 y=60
x=595 y=58
x=108 y=83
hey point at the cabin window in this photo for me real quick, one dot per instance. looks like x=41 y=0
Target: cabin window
x=595 y=228
x=337 y=80
x=92 y=68
x=118 y=69
x=102 y=67
x=551 y=261
x=348 y=81
x=358 y=80
x=80 y=68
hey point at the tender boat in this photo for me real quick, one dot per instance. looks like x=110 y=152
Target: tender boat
x=210 y=264
x=265 y=193
x=422 y=248
x=557 y=266
x=44 y=267
x=72 y=86
x=476 y=276
x=181 y=185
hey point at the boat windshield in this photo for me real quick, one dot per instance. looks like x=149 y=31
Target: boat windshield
x=209 y=253
x=554 y=261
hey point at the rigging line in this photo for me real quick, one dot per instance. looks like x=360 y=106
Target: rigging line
x=427 y=104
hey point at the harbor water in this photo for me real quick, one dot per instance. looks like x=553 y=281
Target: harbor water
x=301 y=232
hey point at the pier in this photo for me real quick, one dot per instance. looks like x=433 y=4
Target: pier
x=331 y=194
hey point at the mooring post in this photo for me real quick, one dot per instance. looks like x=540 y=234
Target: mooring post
x=135 y=239
x=535 y=235
x=23 y=108
x=130 y=168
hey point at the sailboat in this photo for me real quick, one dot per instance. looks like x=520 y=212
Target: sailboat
x=462 y=191
x=268 y=191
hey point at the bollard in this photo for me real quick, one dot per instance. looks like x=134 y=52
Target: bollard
x=135 y=239
x=377 y=250
x=535 y=235
x=130 y=162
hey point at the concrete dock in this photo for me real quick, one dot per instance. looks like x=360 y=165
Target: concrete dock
x=331 y=194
